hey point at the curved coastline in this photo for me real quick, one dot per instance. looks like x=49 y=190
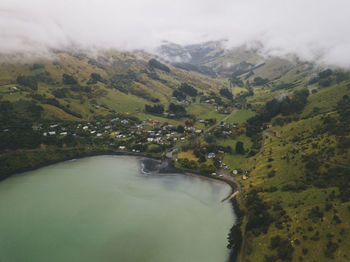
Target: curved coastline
x=168 y=169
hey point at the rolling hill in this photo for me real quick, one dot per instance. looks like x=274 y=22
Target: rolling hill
x=279 y=127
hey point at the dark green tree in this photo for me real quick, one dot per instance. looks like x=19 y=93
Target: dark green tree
x=68 y=80
x=239 y=148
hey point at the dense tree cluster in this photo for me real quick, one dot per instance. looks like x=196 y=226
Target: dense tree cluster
x=155 y=109
x=122 y=82
x=259 y=81
x=188 y=90
x=45 y=77
x=28 y=81
x=68 y=79
x=35 y=66
x=236 y=81
x=153 y=63
x=183 y=91
x=324 y=74
x=54 y=102
x=241 y=68
x=95 y=77
x=285 y=86
x=177 y=110
x=240 y=148
x=180 y=96
x=339 y=125
x=259 y=218
x=186 y=163
x=226 y=93
x=274 y=107
x=331 y=248
x=212 y=97
x=207 y=168
x=17 y=118
x=200 y=69
x=327 y=77
x=283 y=246
x=60 y=93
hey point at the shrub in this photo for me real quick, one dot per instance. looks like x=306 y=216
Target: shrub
x=271 y=174
x=315 y=213
x=284 y=248
x=331 y=247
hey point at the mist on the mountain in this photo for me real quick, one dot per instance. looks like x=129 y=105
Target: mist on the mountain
x=314 y=30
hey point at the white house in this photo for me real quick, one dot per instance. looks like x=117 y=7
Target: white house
x=211 y=155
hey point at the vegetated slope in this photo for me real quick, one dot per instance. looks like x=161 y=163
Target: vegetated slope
x=73 y=85
x=296 y=196
x=45 y=103
x=213 y=58
x=301 y=180
x=290 y=131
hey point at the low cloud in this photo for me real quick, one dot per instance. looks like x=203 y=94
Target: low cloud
x=313 y=29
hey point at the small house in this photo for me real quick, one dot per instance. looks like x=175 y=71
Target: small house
x=211 y=155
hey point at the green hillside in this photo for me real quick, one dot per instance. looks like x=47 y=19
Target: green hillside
x=277 y=128
x=126 y=83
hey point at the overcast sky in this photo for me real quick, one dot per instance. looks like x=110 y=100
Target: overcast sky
x=309 y=28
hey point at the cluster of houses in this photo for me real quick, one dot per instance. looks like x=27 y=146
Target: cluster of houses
x=148 y=131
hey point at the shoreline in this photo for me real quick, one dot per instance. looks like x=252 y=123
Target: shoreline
x=78 y=156
x=233 y=254
x=125 y=154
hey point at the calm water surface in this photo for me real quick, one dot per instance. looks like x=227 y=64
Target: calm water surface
x=103 y=209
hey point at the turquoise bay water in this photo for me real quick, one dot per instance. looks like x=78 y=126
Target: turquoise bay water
x=103 y=209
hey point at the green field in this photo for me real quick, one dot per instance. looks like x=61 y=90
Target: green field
x=241 y=116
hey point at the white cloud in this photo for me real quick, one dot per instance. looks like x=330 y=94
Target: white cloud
x=309 y=28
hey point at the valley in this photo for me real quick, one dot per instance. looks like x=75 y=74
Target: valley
x=279 y=127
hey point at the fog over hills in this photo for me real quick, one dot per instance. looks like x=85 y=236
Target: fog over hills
x=314 y=30
x=254 y=93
